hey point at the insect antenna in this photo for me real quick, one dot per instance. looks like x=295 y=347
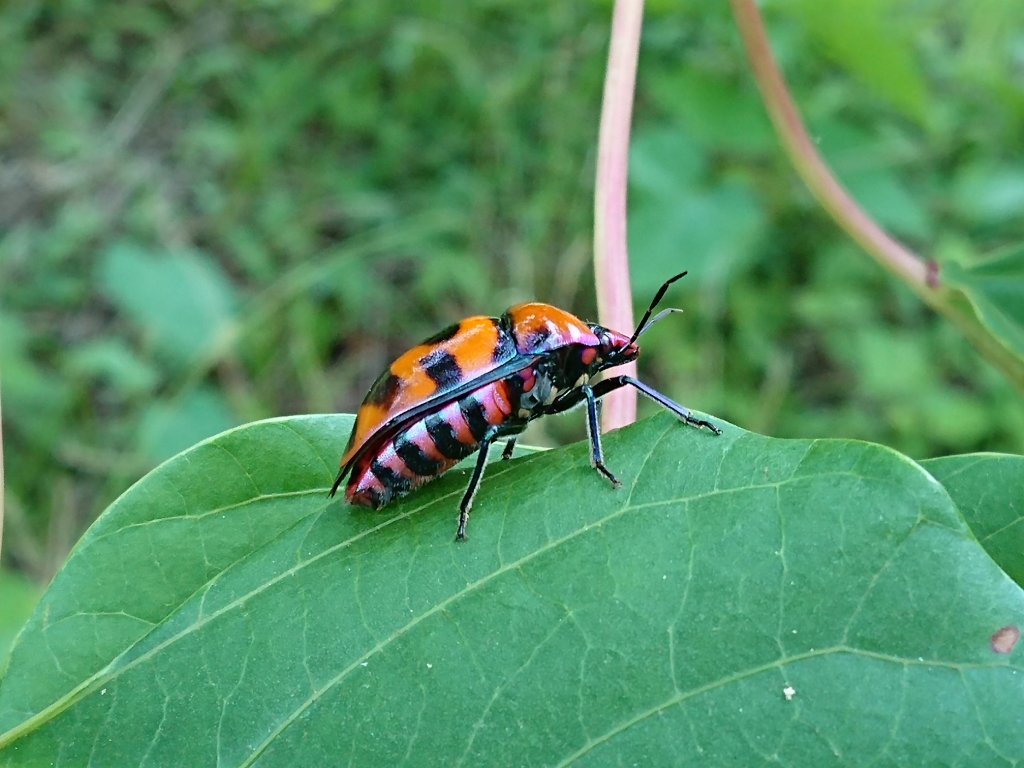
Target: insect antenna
x=656 y=319
x=643 y=325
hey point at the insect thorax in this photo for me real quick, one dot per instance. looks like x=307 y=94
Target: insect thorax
x=549 y=379
x=540 y=394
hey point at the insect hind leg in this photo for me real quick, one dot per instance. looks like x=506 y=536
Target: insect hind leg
x=474 y=484
x=337 y=483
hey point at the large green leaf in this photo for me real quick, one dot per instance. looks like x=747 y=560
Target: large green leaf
x=996 y=289
x=989 y=490
x=741 y=599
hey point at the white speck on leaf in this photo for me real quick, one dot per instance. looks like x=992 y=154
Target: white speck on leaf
x=789 y=692
x=430 y=666
x=365 y=664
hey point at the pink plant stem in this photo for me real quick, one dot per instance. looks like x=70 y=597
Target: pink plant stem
x=611 y=257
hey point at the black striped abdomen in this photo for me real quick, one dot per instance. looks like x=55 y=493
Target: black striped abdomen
x=429 y=447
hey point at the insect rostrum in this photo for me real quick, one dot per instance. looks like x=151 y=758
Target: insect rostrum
x=479 y=380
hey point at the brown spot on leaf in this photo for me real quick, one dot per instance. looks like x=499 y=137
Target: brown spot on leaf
x=1005 y=639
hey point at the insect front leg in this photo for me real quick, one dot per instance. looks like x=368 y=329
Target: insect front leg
x=684 y=414
x=474 y=483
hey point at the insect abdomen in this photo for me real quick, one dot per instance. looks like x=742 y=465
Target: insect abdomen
x=428 y=447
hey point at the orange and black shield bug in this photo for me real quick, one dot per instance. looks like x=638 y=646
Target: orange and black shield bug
x=480 y=380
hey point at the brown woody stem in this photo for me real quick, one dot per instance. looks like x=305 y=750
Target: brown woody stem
x=921 y=276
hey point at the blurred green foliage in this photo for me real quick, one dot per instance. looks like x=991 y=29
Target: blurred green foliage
x=213 y=213
x=18 y=598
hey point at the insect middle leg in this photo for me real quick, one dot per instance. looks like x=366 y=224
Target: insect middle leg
x=594 y=433
x=571 y=400
x=510 y=447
